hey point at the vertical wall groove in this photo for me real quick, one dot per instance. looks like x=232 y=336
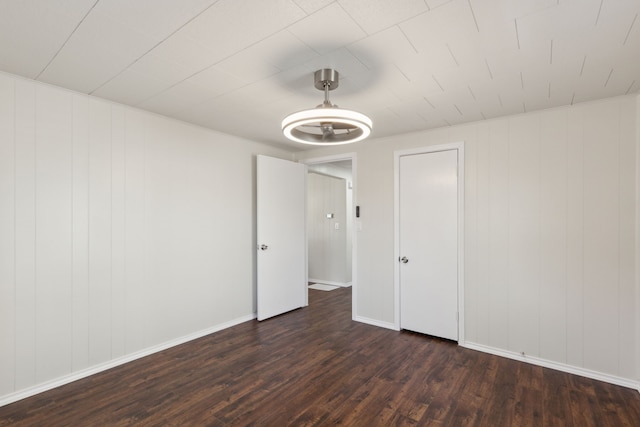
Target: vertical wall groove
x=539 y=233
x=582 y=255
x=15 y=237
x=620 y=219
x=89 y=239
x=508 y=239
x=566 y=241
x=111 y=319
x=35 y=232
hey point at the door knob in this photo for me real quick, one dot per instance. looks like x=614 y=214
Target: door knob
x=404 y=259
x=264 y=247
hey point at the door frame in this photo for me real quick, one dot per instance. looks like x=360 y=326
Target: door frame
x=354 y=241
x=459 y=146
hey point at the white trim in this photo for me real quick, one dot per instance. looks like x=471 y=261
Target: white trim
x=461 y=177
x=329 y=282
x=612 y=379
x=306 y=237
x=459 y=146
x=374 y=322
x=329 y=159
x=354 y=237
x=637 y=242
x=66 y=379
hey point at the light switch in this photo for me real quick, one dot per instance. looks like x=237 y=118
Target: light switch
x=336 y=226
x=359 y=225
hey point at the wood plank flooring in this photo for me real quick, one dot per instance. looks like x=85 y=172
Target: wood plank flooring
x=314 y=366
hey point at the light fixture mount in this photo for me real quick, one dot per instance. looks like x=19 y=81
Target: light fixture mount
x=327 y=124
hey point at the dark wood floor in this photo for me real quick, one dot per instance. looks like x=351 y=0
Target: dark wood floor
x=314 y=366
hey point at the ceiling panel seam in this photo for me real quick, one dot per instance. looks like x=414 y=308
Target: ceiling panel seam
x=285 y=28
x=630 y=28
x=154 y=46
x=67 y=40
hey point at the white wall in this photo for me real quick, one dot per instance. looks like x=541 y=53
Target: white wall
x=549 y=232
x=120 y=230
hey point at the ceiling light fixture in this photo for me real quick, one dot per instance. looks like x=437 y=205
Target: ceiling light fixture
x=326 y=124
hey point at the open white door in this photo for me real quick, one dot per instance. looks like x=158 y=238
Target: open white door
x=282 y=251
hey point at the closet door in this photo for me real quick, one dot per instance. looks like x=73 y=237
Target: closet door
x=428 y=237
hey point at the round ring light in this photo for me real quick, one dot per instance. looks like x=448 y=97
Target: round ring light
x=326 y=124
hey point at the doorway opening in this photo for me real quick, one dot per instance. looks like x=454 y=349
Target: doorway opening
x=331 y=245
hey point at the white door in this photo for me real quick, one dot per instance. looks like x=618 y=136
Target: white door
x=428 y=214
x=282 y=252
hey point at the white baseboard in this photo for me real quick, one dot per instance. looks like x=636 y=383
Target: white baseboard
x=66 y=379
x=612 y=379
x=375 y=322
x=329 y=282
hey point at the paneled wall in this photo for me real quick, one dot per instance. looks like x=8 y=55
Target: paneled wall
x=119 y=231
x=550 y=227
x=550 y=249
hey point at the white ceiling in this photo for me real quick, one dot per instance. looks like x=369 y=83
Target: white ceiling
x=240 y=66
